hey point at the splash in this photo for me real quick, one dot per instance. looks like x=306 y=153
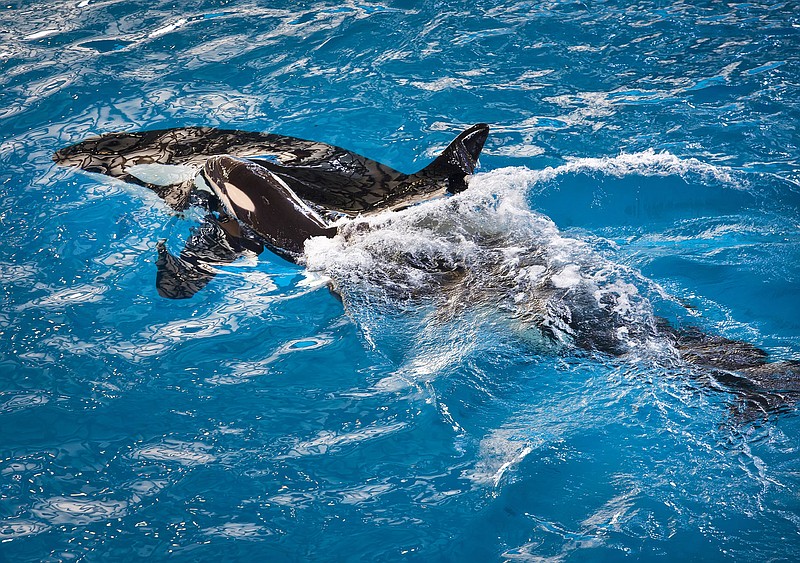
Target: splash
x=487 y=254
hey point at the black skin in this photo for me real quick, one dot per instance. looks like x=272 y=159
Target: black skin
x=269 y=207
x=334 y=182
x=323 y=174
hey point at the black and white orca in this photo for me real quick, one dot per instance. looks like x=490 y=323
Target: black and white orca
x=265 y=189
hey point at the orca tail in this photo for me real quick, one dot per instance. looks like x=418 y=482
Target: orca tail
x=762 y=387
x=459 y=159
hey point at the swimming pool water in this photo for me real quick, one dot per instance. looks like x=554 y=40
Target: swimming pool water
x=651 y=147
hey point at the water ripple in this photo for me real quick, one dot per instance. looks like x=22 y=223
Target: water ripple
x=652 y=149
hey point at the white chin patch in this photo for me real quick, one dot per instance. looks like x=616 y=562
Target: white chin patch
x=162 y=174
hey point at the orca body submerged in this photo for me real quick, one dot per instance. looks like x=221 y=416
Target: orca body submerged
x=274 y=191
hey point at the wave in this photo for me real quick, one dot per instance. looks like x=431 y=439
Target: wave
x=487 y=250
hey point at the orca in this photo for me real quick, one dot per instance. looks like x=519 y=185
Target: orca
x=261 y=189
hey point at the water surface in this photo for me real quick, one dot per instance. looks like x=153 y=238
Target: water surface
x=650 y=147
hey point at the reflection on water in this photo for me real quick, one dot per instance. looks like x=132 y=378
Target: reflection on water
x=646 y=152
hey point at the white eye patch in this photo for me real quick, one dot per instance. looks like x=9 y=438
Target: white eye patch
x=239 y=198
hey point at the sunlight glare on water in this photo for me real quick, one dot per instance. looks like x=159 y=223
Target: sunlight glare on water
x=409 y=392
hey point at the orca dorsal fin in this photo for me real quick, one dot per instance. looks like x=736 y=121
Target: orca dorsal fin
x=459 y=159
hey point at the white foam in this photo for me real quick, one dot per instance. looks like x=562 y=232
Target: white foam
x=568 y=277
x=643 y=163
x=486 y=248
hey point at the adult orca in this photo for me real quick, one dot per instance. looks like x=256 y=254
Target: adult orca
x=265 y=189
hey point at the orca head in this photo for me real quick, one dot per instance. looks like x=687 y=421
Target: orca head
x=227 y=178
x=263 y=202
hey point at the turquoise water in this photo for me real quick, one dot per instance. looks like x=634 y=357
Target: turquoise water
x=650 y=148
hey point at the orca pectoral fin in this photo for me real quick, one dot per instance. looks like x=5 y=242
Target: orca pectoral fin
x=214 y=242
x=459 y=159
x=178 y=278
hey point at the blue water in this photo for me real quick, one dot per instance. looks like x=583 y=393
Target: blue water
x=650 y=146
